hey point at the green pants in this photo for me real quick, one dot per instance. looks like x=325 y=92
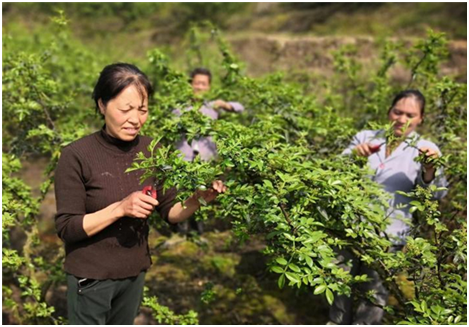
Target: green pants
x=104 y=302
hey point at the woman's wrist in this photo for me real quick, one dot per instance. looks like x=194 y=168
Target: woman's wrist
x=228 y=106
x=117 y=212
x=95 y=222
x=193 y=201
x=428 y=174
x=178 y=213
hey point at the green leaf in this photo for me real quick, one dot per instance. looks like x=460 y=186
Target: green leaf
x=228 y=163
x=277 y=269
x=294 y=267
x=423 y=306
x=436 y=309
x=351 y=233
x=268 y=183
x=323 y=213
x=314 y=237
x=281 y=281
x=320 y=289
x=290 y=237
x=272 y=234
x=329 y=296
x=309 y=261
x=282 y=261
x=318 y=280
x=293 y=277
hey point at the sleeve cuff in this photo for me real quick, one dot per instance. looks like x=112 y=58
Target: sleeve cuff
x=420 y=180
x=237 y=107
x=70 y=228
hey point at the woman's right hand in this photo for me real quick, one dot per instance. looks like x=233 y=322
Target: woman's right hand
x=366 y=149
x=137 y=205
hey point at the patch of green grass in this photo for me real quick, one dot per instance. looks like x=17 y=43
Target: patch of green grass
x=222 y=264
x=397 y=19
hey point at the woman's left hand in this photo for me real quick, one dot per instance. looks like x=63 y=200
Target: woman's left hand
x=210 y=194
x=220 y=104
x=429 y=153
x=179 y=213
x=429 y=172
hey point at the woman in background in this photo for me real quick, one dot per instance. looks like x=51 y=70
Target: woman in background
x=396 y=170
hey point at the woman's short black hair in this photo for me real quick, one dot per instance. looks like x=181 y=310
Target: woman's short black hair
x=201 y=71
x=416 y=94
x=115 y=78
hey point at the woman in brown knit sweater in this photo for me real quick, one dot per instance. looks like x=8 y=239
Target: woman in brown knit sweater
x=101 y=210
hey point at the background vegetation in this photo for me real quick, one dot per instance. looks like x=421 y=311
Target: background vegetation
x=290 y=201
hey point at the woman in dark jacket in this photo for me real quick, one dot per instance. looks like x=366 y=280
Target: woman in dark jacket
x=102 y=211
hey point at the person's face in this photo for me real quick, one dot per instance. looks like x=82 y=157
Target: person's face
x=405 y=110
x=126 y=113
x=200 y=84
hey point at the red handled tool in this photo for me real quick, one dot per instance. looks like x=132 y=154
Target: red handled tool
x=150 y=190
x=375 y=148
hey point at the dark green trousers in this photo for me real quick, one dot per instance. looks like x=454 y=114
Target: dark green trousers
x=104 y=302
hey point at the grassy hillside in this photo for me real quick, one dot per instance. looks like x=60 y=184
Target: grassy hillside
x=342 y=19
x=294 y=37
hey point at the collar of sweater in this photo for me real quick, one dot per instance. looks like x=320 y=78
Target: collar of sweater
x=116 y=144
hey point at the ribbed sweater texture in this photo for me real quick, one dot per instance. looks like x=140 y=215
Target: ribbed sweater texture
x=89 y=177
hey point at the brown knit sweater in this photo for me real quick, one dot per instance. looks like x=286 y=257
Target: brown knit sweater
x=89 y=177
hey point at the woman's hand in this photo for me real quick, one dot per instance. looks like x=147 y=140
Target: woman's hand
x=137 y=205
x=429 y=169
x=366 y=149
x=210 y=194
x=220 y=104
x=179 y=213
